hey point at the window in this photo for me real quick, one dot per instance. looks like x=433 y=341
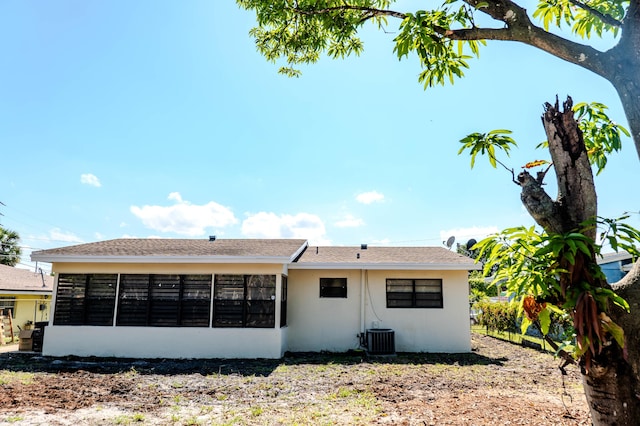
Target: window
x=8 y=306
x=414 y=293
x=164 y=300
x=283 y=303
x=85 y=299
x=333 y=287
x=244 y=301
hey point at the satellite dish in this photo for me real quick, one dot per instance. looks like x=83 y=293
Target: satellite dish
x=450 y=241
x=472 y=242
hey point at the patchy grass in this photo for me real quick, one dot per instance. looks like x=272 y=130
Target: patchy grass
x=497 y=383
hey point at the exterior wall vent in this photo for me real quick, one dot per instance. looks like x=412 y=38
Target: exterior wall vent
x=381 y=341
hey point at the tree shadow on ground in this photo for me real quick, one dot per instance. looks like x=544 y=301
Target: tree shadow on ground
x=30 y=362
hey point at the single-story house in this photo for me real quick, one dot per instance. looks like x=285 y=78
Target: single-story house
x=253 y=298
x=25 y=294
x=615 y=265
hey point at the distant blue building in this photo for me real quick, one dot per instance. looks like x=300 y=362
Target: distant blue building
x=615 y=265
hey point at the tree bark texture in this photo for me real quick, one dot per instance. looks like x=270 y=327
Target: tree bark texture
x=611 y=376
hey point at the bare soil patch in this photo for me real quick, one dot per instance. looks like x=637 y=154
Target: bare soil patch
x=498 y=383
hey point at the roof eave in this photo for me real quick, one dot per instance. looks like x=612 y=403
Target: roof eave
x=387 y=266
x=161 y=259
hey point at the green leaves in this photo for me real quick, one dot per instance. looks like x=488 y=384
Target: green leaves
x=424 y=33
x=619 y=234
x=487 y=143
x=584 y=17
x=601 y=134
x=299 y=32
x=555 y=273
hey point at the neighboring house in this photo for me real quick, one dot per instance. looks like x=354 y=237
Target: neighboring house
x=615 y=265
x=26 y=294
x=220 y=298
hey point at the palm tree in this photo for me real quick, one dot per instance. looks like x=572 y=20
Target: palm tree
x=10 y=251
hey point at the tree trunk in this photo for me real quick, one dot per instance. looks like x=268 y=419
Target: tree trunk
x=628 y=88
x=610 y=375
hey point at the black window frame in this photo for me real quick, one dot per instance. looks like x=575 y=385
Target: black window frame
x=164 y=300
x=335 y=287
x=8 y=306
x=85 y=299
x=244 y=301
x=399 y=298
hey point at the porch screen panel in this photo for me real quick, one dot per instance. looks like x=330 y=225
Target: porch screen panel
x=70 y=299
x=164 y=306
x=228 y=307
x=100 y=299
x=196 y=301
x=283 y=302
x=261 y=301
x=133 y=300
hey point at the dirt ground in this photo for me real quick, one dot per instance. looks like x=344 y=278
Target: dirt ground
x=497 y=384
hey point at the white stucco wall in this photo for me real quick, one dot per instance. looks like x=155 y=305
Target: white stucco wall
x=421 y=329
x=322 y=324
x=162 y=342
x=332 y=324
x=313 y=323
x=168 y=342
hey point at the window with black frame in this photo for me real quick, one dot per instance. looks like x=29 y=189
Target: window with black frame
x=244 y=301
x=333 y=287
x=414 y=293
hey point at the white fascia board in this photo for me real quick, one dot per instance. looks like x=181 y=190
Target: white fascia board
x=390 y=266
x=162 y=259
x=302 y=248
x=27 y=292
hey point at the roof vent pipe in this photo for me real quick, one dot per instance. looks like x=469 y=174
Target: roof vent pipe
x=363 y=246
x=212 y=237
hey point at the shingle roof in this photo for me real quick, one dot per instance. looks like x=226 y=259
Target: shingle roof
x=258 y=250
x=384 y=257
x=22 y=280
x=178 y=249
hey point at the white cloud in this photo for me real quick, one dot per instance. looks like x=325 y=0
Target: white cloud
x=349 y=221
x=270 y=225
x=185 y=218
x=89 y=179
x=56 y=234
x=462 y=235
x=369 y=197
x=175 y=196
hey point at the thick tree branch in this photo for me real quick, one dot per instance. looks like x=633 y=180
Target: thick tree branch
x=539 y=204
x=519 y=27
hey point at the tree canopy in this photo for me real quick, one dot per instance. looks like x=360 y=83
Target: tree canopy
x=557 y=266
x=447 y=36
x=10 y=250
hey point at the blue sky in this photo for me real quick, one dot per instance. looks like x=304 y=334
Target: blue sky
x=160 y=119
